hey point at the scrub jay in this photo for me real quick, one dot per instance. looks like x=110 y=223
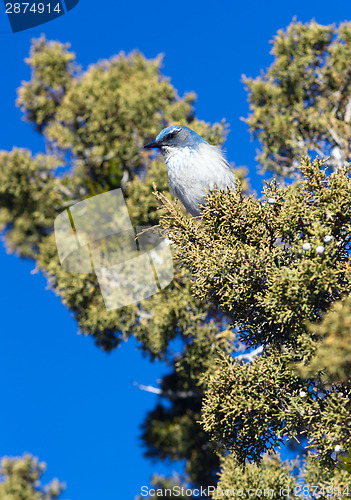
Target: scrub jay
x=193 y=165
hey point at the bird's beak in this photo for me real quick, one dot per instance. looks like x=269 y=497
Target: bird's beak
x=152 y=144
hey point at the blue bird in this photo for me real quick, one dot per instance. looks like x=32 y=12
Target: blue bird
x=193 y=166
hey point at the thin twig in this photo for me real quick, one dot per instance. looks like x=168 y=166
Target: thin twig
x=168 y=394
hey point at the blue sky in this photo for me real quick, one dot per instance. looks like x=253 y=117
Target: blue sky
x=62 y=398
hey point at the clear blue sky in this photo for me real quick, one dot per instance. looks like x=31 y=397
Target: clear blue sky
x=62 y=399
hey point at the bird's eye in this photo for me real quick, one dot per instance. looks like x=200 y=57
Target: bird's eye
x=171 y=135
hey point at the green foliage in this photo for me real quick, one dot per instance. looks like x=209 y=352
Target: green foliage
x=271 y=480
x=332 y=357
x=301 y=105
x=277 y=479
x=30 y=197
x=22 y=480
x=53 y=68
x=247 y=256
x=251 y=408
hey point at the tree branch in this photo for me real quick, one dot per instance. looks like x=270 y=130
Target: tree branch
x=167 y=394
x=249 y=356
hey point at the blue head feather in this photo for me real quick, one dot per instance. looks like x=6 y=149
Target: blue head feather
x=176 y=137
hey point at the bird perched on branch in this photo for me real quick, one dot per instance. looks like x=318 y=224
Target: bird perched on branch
x=193 y=166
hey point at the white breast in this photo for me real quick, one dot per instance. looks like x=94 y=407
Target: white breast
x=192 y=171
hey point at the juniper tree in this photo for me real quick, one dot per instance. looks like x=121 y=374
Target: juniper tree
x=273 y=264
x=95 y=124
x=279 y=266
x=301 y=104
x=272 y=272
x=21 y=479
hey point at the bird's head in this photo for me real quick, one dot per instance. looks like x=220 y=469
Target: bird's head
x=175 y=138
